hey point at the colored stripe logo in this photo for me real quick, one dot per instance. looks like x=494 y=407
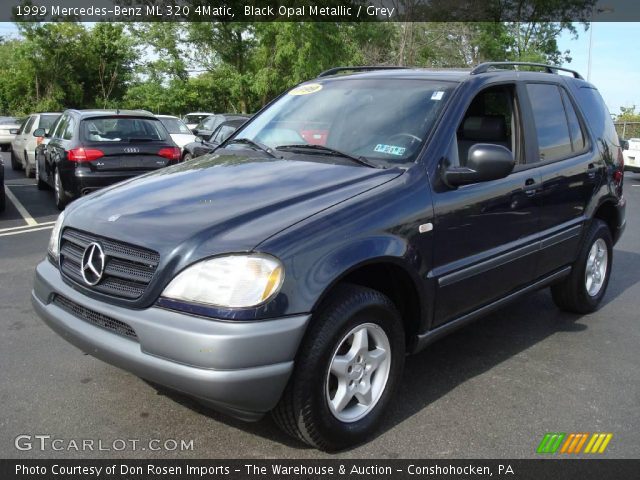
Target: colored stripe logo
x=574 y=443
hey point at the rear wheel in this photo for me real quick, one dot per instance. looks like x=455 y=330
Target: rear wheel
x=60 y=196
x=186 y=157
x=28 y=171
x=4 y=148
x=583 y=290
x=350 y=363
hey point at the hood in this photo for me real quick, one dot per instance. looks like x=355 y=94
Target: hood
x=219 y=203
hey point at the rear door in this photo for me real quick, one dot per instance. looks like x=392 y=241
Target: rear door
x=570 y=173
x=126 y=144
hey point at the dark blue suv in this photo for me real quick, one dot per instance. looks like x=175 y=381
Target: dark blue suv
x=355 y=219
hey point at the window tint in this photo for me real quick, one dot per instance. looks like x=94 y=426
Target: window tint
x=68 y=129
x=46 y=121
x=554 y=142
x=597 y=114
x=123 y=129
x=60 y=127
x=577 y=136
x=223 y=132
x=26 y=128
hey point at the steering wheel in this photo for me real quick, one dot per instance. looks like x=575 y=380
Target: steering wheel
x=402 y=134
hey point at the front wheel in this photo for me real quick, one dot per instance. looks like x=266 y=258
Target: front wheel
x=42 y=185
x=346 y=372
x=583 y=290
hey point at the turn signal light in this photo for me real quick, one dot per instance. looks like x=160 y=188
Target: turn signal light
x=172 y=153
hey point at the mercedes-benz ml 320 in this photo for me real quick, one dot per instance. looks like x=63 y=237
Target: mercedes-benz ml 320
x=354 y=220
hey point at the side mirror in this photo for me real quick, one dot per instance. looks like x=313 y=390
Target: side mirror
x=39 y=132
x=486 y=161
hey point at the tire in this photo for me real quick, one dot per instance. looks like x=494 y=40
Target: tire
x=2 y=198
x=4 y=148
x=42 y=185
x=15 y=164
x=61 y=198
x=305 y=410
x=583 y=290
x=187 y=157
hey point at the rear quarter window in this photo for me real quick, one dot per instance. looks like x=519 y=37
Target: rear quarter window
x=596 y=114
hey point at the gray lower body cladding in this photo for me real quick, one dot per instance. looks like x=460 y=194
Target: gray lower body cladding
x=239 y=368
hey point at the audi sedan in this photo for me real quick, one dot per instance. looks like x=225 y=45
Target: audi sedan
x=91 y=149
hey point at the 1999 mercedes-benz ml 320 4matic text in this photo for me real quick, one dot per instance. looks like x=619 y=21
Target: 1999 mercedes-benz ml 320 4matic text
x=355 y=219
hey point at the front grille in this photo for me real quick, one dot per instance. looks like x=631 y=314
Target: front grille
x=94 y=318
x=128 y=269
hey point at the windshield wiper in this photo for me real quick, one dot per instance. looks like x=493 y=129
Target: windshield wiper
x=256 y=145
x=328 y=151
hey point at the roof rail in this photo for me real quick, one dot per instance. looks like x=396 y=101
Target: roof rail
x=487 y=66
x=333 y=71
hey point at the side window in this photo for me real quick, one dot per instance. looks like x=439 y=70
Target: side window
x=68 y=129
x=492 y=117
x=223 y=132
x=26 y=127
x=575 y=129
x=554 y=141
x=60 y=127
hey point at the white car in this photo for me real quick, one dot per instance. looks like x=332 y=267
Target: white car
x=180 y=133
x=193 y=119
x=9 y=126
x=23 y=146
x=632 y=156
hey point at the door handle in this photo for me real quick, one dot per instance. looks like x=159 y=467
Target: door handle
x=530 y=187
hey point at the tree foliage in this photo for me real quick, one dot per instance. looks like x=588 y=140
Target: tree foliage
x=180 y=67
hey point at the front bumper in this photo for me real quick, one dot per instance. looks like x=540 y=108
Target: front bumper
x=239 y=368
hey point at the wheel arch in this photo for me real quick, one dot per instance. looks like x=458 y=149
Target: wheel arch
x=395 y=279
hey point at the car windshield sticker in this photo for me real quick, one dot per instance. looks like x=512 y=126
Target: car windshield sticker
x=390 y=149
x=306 y=89
x=437 y=95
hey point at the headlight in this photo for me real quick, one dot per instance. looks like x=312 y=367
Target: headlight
x=54 y=240
x=231 y=281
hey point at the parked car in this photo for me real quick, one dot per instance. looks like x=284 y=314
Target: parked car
x=91 y=149
x=203 y=146
x=632 y=155
x=288 y=276
x=3 y=200
x=24 y=143
x=205 y=129
x=180 y=133
x=193 y=119
x=9 y=127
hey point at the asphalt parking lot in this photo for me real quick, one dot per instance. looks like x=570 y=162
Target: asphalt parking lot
x=491 y=390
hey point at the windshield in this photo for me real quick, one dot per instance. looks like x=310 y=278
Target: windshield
x=122 y=129
x=195 y=118
x=175 y=125
x=47 y=120
x=382 y=120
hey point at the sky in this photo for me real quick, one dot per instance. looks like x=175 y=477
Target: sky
x=615 y=68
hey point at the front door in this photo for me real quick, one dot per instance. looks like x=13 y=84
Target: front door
x=484 y=233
